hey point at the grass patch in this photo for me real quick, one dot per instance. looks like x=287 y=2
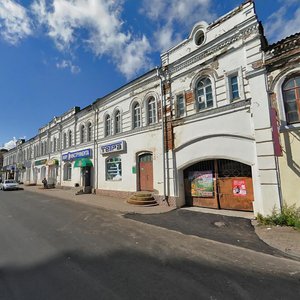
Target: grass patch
x=289 y=216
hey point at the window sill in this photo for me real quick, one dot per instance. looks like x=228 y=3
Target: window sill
x=290 y=127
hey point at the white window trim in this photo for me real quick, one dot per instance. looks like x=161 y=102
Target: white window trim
x=176 y=106
x=213 y=87
x=239 y=73
x=147 y=110
x=134 y=103
x=279 y=96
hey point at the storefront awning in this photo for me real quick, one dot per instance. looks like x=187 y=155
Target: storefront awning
x=83 y=162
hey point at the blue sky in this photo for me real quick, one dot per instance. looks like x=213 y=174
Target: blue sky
x=57 y=54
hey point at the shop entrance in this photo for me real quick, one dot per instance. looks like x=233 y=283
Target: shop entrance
x=222 y=183
x=145 y=163
x=86 y=176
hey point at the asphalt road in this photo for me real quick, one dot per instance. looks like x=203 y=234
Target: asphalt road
x=55 y=249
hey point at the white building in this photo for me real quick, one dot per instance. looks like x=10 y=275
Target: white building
x=195 y=131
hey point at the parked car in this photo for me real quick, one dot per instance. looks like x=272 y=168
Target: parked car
x=9 y=184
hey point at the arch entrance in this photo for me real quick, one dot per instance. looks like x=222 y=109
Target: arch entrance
x=219 y=183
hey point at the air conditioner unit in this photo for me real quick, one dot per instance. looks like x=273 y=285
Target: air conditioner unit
x=200 y=99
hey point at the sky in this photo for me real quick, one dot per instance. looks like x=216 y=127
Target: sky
x=57 y=54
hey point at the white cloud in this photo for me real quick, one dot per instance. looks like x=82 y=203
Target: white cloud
x=10 y=144
x=97 y=23
x=67 y=64
x=14 y=22
x=179 y=14
x=284 y=22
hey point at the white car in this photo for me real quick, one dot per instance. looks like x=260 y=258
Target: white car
x=9 y=184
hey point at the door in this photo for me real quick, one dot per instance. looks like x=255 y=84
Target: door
x=145 y=172
x=86 y=176
x=235 y=188
x=221 y=183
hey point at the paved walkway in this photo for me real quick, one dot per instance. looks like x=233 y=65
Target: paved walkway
x=285 y=239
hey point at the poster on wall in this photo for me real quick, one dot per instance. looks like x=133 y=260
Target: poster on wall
x=239 y=187
x=202 y=184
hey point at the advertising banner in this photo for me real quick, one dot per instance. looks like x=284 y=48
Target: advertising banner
x=202 y=183
x=239 y=187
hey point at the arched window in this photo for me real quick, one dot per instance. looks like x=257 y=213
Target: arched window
x=67 y=171
x=136 y=115
x=82 y=135
x=70 y=138
x=117 y=121
x=42 y=148
x=54 y=144
x=65 y=141
x=45 y=147
x=151 y=111
x=89 y=131
x=204 y=95
x=291 y=98
x=107 y=125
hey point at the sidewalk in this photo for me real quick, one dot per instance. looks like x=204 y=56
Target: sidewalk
x=285 y=239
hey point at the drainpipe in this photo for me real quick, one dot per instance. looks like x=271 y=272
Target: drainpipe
x=159 y=75
x=95 y=147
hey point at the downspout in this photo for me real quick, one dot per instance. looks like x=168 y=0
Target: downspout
x=158 y=74
x=95 y=147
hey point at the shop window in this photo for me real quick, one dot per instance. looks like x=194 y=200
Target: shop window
x=114 y=168
x=136 y=115
x=204 y=94
x=70 y=138
x=234 y=87
x=107 y=125
x=291 y=98
x=89 y=132
x=117 y=122
x=180 y=107
x=82 y=135
x=151 y=111
x=67 y=171
x=43 y=172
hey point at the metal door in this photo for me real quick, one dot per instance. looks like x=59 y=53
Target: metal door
x=145 y=172
x=235 y=188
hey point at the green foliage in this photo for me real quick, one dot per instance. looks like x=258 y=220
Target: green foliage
x=289 y=216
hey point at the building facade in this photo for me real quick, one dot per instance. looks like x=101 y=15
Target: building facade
x=282 y=61
x=196 y=131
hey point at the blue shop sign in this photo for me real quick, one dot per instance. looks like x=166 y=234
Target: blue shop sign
x=114 y=147
x=77 y=154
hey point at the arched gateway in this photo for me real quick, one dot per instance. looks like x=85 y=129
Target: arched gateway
x=220 y=183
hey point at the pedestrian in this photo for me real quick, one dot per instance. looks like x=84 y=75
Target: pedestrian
x=44 y=181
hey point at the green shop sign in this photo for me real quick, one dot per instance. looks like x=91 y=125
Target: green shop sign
x=40 y=162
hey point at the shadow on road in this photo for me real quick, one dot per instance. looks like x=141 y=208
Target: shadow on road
x=133 y=275
x=224 y=229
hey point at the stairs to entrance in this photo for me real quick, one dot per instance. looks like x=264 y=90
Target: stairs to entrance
x=143 y=199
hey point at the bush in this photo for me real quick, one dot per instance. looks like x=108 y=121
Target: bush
x=289 y=216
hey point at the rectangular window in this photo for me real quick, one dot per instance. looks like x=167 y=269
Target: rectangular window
x=234 y=87
x=180 y=109
x=114 y=168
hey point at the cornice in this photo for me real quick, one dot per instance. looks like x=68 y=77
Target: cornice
x=212 y=50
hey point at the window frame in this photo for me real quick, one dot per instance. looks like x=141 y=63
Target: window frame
x=228 y=75
x=67 y=172
x=151 y=110
x=117 y=122
x=110 y=160
x=89 y=132
x=65 y=140
x=177 y=110
x=82 y=133
x=70 y=138
x=136 y=117
x=107 y=125
x=205 y=93
x=296 y=100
